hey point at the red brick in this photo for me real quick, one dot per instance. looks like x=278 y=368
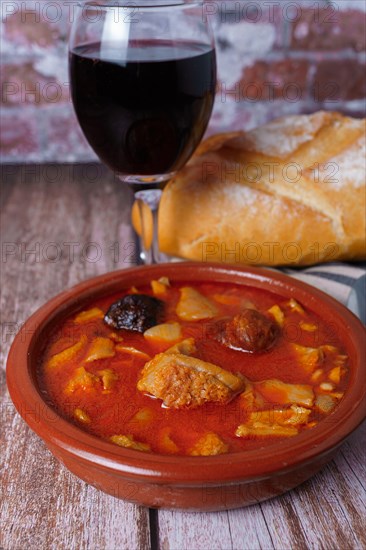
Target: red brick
x=339 y=80
x=285 y=79
x=23 y=84
x=329 y=30
x=39 y=27
x=19 y=135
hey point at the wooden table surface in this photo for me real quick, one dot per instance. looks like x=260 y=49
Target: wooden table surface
x=62 y=225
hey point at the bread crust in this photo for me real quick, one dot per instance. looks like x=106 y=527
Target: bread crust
x=291 y=192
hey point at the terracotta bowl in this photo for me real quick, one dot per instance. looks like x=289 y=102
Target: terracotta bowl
x=190 y=483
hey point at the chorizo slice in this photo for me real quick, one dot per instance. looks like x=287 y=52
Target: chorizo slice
x=249 y=330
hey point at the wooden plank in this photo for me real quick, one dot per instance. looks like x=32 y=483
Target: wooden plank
x=327 y=511
x=63 y=225
x=354 y=454
x=47 y=507
x=44 y=505
x=249 y=529
x=198 y=531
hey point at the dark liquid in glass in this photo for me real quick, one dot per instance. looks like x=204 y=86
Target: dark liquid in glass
x=144 y=114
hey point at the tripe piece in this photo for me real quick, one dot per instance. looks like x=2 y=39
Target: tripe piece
x=183 y=381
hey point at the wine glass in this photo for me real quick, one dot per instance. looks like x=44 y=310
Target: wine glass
x=143 y=78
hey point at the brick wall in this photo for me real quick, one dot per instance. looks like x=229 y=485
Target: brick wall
x=275 y=57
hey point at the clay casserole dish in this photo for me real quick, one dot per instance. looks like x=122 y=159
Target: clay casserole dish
x=193 y=483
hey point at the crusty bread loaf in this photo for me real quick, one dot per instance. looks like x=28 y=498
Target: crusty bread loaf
x=290 y=192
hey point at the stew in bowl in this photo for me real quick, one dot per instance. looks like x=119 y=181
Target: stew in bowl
x=194 y=368
x=193 y=386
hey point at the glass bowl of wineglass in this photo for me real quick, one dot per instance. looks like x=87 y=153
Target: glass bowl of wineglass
x=143 y=78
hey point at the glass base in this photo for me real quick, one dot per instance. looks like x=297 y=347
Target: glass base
x=151 y=197
x=137 y=179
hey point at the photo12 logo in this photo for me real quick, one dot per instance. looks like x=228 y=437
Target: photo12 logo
x=69 y=252
x=251 y=252
x=54 y=12
x=267 y=172
x=270 y=11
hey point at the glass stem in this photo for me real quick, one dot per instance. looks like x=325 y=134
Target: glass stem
x=149 y=242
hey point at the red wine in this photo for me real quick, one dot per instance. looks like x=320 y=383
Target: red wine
x=145 y=114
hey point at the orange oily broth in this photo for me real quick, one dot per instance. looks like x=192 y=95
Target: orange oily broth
x=112 y=412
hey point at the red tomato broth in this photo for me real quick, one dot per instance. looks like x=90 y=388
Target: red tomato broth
x=112 y=412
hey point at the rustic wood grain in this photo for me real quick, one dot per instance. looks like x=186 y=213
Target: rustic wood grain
x=44 y=506
x=59 y=226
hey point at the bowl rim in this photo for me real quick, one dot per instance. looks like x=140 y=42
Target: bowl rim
x=279 y=457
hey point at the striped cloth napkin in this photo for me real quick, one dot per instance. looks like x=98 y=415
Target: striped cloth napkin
x=343 y=281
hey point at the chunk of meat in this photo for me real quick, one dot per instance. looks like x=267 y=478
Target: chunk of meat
x=335 y=375
x=208 y=445
x=130 y=350
x=186 y=347
x=67 y=354
x=274 y=422
x=276 y=391
x=193 y=305
x=263 y=429
x=81 y=415
x=160 y=286
x=250 y=330
x=82 y=380
x=309 y=358
x=183 y=381
x=294 y=306
x=325 y=403
x=143 y=417
x=100 y=348
x=277 y=314
x=227 y=299
x=89 y=315
x=308 y=327
x=108 y=377
x=129 y=442
x=136 y=312
x=166 y=332
x=250 y=399
x=293 y=415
